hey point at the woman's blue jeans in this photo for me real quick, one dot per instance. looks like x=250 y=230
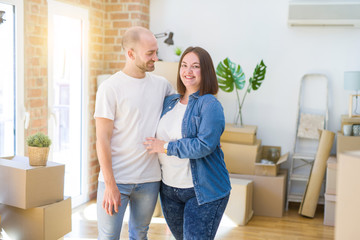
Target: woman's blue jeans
x=186 y=218
x=142 y=199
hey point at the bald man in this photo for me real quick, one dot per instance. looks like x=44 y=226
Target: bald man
x=127 y=110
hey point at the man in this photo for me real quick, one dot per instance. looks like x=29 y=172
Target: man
x=127 y=110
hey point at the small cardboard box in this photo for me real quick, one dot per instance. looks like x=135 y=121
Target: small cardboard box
x=347 y=209
x=329 y=210
x=269 y=193
x=347 y=143
x=269 y=169
x=345 y=119
x=25 y=186
x=47 y=222
x=239 y=208
x=331 y=175
x=241 y=135
x=240 y=158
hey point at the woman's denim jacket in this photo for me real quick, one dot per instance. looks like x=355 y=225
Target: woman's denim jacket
x=202 y=126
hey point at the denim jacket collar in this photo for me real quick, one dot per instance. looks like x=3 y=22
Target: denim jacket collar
x=194 y=95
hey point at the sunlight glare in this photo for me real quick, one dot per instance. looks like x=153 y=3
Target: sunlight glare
x=80 y=238
x=90 y=212
x=4 y=235
x=227 y=222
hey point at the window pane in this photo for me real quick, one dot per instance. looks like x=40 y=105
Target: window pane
x=7 y=82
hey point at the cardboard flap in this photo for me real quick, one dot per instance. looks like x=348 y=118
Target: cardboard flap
x=283 y=158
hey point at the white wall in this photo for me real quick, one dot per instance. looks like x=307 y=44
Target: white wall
x=248 y=31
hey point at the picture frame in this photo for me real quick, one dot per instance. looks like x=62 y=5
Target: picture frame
x=351 y=100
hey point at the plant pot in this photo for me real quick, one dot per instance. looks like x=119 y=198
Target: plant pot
x=38 y=156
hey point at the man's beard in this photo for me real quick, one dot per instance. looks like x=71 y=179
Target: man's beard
x=144 y=66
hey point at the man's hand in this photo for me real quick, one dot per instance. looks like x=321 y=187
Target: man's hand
x=112 y=200
x=154 y=145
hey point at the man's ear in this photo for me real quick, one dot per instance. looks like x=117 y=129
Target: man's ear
x=131 y=53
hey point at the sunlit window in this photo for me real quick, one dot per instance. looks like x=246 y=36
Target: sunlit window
x=7 y=81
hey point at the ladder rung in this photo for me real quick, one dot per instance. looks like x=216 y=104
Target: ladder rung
x=294 y=197
x=298 y=177
x=306 y=156
x=297 y=197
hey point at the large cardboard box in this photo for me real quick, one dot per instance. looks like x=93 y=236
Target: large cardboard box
x=269 y=193
x=49 y=222
x=239 y=208
x=331 y=175
x=241 y=135
x=347 y=209
x=167 y=70
x=347 y=143
x=269 y=169
x=240 y=158
x=329 y=210
x=25 y=186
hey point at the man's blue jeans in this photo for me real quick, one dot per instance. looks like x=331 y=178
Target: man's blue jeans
x=142 y=198
x=186 y=218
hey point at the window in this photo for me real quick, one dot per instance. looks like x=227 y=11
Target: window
x=11 y=80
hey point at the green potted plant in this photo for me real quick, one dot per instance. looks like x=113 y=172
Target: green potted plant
x=178 y=51
x=231 y=77
x=38 y=149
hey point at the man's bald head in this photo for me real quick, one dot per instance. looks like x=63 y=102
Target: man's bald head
x=133 y=36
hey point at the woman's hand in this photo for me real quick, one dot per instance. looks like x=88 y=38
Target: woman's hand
x=154 y=145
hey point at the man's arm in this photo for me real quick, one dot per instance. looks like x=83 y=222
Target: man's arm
x=112 y=196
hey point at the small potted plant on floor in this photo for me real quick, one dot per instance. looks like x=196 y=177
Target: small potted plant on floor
x=38 y=149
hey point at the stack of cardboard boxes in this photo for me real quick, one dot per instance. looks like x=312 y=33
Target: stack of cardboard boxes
x=242 y=153
x=343 y=144
x=330 y=192
x=32 y=203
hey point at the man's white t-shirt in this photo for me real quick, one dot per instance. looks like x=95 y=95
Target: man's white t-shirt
x=135 y=106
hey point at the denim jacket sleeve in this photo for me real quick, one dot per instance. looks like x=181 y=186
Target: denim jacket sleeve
x=202 y=132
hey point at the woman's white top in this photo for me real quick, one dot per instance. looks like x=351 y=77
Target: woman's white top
x=175 y=172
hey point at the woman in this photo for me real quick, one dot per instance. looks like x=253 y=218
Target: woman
x=195 y=183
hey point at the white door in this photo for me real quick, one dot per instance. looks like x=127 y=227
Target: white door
x=12 y=112
x=66 y=95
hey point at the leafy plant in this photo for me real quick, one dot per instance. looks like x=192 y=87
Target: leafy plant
x=231 y=77
x=38 y=140
x=177 y=51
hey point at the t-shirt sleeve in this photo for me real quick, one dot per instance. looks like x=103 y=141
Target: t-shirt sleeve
x=169 y=89
x=105 y=105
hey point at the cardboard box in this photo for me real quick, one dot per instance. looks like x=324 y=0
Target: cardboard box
x=329 y=210
x=241 y=135
x=240 y=158
x=24 y=186
x=347 y=209
x=47 y=222
x=347 y=143
x=269 y=169
x=345 y=120
x=269 y=193
x=239 y=208
x=330 y=187
x=167 y=70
